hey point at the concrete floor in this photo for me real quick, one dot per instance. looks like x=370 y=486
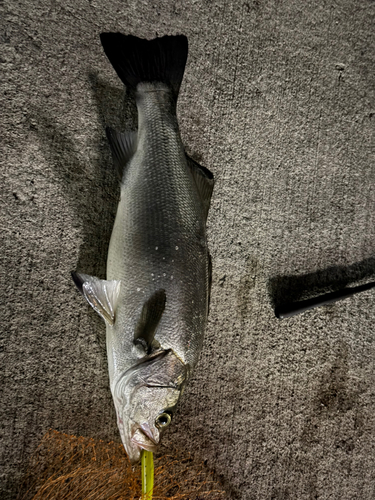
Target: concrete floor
x=278 y=102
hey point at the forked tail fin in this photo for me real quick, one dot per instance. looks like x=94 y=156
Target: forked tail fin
x=137 y=60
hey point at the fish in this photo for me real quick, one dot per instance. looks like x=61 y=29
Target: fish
x=155 y=298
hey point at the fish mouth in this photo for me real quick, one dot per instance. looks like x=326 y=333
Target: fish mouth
x=143 y=439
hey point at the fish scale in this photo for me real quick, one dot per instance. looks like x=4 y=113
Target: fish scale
x=166 y=213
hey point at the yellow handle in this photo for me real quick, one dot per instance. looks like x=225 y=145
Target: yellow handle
x=147 y=461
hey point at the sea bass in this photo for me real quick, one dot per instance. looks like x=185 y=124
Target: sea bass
x=156 y=297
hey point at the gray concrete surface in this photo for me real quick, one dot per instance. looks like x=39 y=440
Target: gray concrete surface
x=278 y=101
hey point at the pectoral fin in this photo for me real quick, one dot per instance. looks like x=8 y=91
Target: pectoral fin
x=151 y=314
x=102 y=295
x=204 y=181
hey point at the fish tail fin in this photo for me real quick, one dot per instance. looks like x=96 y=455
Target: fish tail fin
x=136 y=60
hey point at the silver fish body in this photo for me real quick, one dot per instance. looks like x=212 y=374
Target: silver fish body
x=155 y=299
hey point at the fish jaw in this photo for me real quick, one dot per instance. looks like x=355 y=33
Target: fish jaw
x=141 y=394
x=145 y=440
x=138 y=431
x=137 y=438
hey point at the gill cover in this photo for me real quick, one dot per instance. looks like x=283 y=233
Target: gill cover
x=161 y=369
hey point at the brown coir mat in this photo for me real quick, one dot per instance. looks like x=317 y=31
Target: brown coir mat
x=66 y=467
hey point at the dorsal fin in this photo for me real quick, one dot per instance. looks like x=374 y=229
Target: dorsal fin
x=102 y=295
x=209 y=282
x=151 y=314
x=123 y=146
x=204 y=180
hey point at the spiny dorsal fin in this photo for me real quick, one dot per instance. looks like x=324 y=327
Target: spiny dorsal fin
x=209 y=282
x=102 y=295
x=151 y=314
x=204 y=180
x=123 y=146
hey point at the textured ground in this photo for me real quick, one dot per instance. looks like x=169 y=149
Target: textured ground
x=278 y=102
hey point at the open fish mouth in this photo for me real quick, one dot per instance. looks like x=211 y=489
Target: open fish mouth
x=134 y=446
x=144 y=440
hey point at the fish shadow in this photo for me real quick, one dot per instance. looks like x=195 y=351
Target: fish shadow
x=116 y=107
x=89 y=181
x=283 y=290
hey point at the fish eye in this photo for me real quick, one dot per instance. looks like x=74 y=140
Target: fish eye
x=163 y=420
